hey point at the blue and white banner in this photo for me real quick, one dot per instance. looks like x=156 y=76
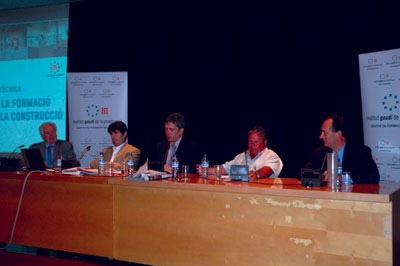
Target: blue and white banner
x=95 y=100
x=380 y=91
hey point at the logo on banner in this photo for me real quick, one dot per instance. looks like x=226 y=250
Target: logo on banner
x=385 y=146
x=93 y=110
x=395 y=61
x=96 y=81
x=383 y=76
x=384 y=79
x=383 y=142
x=390 y=102
x=372 y=64
x=116 y=81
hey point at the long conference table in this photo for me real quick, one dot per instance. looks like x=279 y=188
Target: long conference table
x=203 y=222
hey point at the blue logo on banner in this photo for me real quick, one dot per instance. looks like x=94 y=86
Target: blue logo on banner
x=390 y=102
x=93 y=110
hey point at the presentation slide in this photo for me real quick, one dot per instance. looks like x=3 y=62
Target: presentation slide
x=33 y=67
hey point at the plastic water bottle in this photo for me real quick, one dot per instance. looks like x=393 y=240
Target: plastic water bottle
x=175 y=166
x=204 y=167
x=130 y=164
x=59 y=166
x=101 y=165
x=339 y=179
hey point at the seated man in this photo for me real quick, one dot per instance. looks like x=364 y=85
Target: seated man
x=262 y=161
x=187 y=151
x=353 y=158
x=51 y=148
x=120 y=150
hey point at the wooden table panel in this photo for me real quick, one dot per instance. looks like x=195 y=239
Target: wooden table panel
x=204 y=222
x=9 y=197
x=69 y=216
x=180 y=227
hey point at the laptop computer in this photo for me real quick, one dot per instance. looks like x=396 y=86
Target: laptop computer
x=239 y=173
x=311 y=177
x=33 y=159
x=156 y=166
x=65 y=164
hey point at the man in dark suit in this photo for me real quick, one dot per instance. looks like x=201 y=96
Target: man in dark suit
x=353 y=158
x=187 y=151
x=51 y=148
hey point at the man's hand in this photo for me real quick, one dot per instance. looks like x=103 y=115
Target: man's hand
x=324 y=175
x=198 y=169
x=167 y=168
x=252 y=175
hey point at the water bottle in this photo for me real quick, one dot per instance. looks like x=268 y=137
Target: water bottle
x=130 y=164
x=204 y=167
x=59 y=166
x=339 y=179
x=175 y=166
x=101 y=165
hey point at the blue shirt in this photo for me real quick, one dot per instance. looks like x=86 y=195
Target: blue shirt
x=341 y=153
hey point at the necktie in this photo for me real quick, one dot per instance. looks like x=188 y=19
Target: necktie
x=48 y=156
x=171 y=154
x=173 y=149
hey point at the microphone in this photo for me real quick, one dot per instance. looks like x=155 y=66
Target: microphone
x=83 y=152
x=19 y=147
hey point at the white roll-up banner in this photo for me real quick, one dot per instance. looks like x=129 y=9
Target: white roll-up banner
x=380 y=91
x=95 y=100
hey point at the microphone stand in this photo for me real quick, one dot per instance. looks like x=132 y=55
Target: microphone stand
x=11 y=155
x=82 y=154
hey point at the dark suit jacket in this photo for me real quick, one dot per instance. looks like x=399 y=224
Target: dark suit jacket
x=188 y=153
x=357 y=160
x=62 y=150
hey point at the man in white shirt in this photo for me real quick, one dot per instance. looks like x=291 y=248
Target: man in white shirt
x=262 y=161
x=119 y=152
